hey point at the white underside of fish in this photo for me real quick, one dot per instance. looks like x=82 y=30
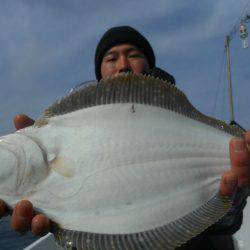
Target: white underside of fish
x=115 y=169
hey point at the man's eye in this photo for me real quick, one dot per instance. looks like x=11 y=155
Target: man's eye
x=111 y=59
x=136 y=56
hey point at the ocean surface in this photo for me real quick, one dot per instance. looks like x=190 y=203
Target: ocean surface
x=10 y=240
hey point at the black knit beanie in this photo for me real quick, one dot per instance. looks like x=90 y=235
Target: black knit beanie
x=120 y=35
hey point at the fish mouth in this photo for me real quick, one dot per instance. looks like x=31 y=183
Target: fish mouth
x=167 y=237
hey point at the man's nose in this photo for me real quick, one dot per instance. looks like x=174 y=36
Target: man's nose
x=123 y=64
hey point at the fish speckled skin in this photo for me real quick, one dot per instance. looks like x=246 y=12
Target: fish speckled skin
x=131 y=170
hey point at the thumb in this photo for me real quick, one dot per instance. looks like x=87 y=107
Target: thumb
x=22 y=121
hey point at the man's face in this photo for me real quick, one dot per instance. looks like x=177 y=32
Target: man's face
x=123 y=58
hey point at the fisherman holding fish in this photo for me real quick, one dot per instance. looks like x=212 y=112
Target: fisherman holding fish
x=120 y=50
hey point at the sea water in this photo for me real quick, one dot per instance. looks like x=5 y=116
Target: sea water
x=10 y=240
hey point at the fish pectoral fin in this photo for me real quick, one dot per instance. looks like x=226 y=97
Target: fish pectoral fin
x=63 y=166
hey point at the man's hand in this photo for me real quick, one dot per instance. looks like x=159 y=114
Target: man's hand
x=239 y=175
x=23 y=217
x=22 y=121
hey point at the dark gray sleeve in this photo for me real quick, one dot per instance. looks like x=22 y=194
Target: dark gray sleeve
x=232 y=221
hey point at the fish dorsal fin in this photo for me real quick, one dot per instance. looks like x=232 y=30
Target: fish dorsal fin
x=131 y=88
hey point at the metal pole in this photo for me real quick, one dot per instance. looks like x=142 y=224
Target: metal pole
x=229 y=81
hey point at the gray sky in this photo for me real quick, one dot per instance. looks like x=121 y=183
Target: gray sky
x=48 y=46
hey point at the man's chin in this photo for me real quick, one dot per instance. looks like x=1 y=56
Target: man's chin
x=125 y=73
x=120 y=74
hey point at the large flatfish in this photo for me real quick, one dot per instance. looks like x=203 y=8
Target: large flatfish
x=127 y=163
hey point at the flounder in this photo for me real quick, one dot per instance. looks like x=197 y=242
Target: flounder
x=127 y=163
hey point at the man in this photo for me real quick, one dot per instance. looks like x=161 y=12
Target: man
x=123 y=49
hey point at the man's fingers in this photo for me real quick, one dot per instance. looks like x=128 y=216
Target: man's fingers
x=22 y=121
x=22 y=216
x=3 y=208
x=247 y=137
x=239 y=152
x=228 y=183
x=40 y=225
x=240 y=159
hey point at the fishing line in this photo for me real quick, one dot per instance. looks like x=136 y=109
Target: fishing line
x=231 y=34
